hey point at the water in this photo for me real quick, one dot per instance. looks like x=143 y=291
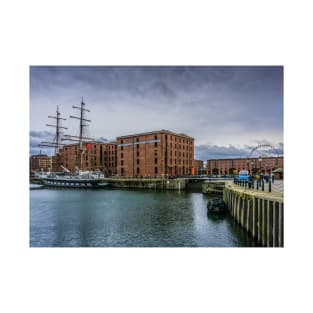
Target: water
x=128 y=218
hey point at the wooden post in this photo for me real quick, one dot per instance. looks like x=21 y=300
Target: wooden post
x=253 y=217
x=268 y=228
x=259 y=220
x=263 y=222
x=248 y=215
x=280 y=225
x=274 y=223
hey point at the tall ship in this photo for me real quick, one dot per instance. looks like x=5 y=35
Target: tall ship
x=80 y=177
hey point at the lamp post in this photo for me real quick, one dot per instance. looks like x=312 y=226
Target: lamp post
x=262 y=178
x=252 y=167
x=252 y=176
x=260 y=162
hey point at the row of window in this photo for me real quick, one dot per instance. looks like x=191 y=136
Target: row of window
x=137 y=146
x=138 y=161
x=138 y=171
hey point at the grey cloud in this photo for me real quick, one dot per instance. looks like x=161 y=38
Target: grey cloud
x=102 y=139
x=237 y=103
x=35 y=138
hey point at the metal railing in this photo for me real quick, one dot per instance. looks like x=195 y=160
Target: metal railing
x=266 y=185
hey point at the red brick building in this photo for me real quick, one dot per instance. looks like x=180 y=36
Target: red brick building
x=155 y=154
x=254 y=165
x=95 y=156
x=40 y=162
x=197 y=167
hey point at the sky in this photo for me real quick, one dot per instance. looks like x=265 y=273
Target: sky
x=228 y=110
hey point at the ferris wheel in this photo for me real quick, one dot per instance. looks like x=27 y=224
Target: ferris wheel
x=263 y=151
x=266 y=157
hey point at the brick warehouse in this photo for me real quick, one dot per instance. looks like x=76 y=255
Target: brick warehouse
x=197 y=167
x=96 y=156
x=254 y=165
x=40 y=162
x=155 y=154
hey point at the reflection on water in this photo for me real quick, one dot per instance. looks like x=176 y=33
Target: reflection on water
x=128 y=218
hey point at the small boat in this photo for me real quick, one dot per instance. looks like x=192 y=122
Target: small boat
x=216 y=205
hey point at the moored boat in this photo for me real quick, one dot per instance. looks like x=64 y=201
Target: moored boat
x=216 y=205
x=81 y=179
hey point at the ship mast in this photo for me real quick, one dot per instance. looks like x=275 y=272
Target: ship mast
x=56 y=143
x=83 y=124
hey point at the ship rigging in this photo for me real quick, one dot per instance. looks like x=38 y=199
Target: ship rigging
x=83 y=135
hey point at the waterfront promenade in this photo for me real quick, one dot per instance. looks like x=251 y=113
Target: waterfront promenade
x=260 y=213
x=277 y=189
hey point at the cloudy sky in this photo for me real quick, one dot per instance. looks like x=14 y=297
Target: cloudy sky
x=228 y=110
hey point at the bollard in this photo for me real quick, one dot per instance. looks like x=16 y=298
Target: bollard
x=269 y=186
x=257 y=185
x=262 y=184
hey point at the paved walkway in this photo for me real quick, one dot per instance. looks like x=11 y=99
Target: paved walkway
x=276 y=194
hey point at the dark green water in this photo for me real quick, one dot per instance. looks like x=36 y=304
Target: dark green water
x=128 y=218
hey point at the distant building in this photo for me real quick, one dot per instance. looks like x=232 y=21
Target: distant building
x=253 y=165
x=40 y=162
x=197 y=167
x=155 y=154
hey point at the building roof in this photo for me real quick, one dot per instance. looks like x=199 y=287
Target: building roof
x=247 y=158
x=91 y=142
x=162 y=131
x=39 y=155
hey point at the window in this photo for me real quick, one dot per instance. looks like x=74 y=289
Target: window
x=122 y=148
x=137 y=146
x=137 y=154
x=155 y=137
x=137 y=139
x=155 y=170
x=122 y=162
x=155 y=161
x=155 y=144
x=122 y=155
x=122 y=142
x=122 y=171
x=137 y=161
x=138 y=172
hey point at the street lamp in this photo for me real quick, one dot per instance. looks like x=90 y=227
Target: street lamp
x=260 y=161
x=252 y=168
